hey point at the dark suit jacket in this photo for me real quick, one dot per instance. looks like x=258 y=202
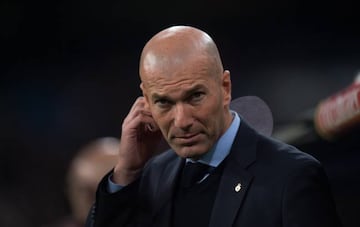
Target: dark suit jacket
x=278 y=185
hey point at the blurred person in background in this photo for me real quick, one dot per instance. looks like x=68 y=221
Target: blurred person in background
x=85 y=172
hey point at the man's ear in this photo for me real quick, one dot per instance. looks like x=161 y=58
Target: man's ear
x=226 y=86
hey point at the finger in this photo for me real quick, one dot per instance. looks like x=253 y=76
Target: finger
x=152 y=127
x=139 y=102
x=140 y=119
x=134 y=110
x=135 y=113
x=139 y=108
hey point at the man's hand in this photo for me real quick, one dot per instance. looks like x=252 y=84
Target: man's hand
x=139 y=138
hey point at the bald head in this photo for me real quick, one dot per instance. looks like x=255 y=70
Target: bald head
x=176 y=47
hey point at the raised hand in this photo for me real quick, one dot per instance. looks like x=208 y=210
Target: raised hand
x=139 y=138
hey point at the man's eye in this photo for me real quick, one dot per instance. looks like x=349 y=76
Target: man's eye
x=162 y=102
x=197 y=96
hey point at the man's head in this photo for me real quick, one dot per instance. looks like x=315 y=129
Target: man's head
x=186 y=89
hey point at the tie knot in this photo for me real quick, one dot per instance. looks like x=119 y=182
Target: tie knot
x=193 y=173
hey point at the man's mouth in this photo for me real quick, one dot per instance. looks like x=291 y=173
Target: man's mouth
x=187 y=139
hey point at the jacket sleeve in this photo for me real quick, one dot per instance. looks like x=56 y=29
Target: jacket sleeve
x=114 y=209
x=307 y=199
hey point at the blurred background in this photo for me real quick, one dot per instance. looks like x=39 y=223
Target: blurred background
x=69 y=74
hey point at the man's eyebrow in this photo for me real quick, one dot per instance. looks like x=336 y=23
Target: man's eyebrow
x=193 y=89
x=156 y=96
x=185 y=93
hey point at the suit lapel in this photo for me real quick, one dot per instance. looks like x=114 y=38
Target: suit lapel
x=235 y=180
x=231 y=193
x=165 y=191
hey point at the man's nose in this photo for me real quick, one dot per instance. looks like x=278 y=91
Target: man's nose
x=182 y=117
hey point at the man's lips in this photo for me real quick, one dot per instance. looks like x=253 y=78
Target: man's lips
x=187 y=139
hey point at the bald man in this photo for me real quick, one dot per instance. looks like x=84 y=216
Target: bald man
x=247 y=179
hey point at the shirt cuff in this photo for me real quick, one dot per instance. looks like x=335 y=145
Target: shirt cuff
x=112 y=187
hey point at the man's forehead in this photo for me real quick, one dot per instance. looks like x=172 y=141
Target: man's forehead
x=173 y=68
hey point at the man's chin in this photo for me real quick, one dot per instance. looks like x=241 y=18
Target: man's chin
x=194 y=152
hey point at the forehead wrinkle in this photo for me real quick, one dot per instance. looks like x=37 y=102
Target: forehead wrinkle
x=178 y=88
x=162 y=64
x=203 y=65
x=154 y=60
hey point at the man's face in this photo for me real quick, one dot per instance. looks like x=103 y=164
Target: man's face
x=189 y=104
